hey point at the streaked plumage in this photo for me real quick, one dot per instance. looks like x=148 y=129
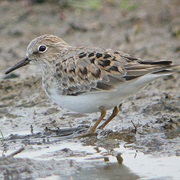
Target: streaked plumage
x=90 y=79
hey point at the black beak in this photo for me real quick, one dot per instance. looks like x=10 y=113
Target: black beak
x=22 y=63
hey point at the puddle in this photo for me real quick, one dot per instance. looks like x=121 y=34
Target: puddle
x=99 y=163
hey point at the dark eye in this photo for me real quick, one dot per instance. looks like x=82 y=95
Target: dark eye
x=42 y=48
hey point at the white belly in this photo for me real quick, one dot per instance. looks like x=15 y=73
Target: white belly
x=86 y=103
x=90 y=102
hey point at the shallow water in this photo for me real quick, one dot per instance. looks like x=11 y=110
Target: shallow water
x=101 y=163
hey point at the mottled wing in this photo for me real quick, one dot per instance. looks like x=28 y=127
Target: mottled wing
x=83 y=70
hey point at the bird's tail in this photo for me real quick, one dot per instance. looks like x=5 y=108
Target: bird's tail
x=143 y=67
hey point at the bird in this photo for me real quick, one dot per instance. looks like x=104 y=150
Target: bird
x=90 y=79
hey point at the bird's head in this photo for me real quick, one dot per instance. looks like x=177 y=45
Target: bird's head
x=42 y=50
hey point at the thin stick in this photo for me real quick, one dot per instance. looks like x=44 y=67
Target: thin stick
x=2 y=136
x=135 y=128
x=16 y=152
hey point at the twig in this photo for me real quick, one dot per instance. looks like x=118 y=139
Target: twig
x=135 y=128
x=2 y=136
x=16 y=152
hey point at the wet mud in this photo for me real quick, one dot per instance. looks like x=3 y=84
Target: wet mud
x=38 y=138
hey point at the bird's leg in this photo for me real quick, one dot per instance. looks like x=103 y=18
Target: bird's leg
x=92 y=130
x=114 y=113
x=103 y=114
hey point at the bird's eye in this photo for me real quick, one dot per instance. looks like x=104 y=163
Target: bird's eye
x=42 y=48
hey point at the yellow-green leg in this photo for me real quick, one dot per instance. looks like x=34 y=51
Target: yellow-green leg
x=103 y=114
x=114 y=114
x=92 y=130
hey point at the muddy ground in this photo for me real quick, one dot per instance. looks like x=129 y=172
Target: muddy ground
x=146 y=29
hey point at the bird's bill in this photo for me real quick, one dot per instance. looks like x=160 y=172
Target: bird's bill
x=22 y=63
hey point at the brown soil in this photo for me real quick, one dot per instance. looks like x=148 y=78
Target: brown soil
x=145 y=29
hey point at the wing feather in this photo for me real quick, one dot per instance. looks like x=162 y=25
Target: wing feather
x=95 y=69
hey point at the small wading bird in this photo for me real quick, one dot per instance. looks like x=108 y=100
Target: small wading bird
x=89 y=80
